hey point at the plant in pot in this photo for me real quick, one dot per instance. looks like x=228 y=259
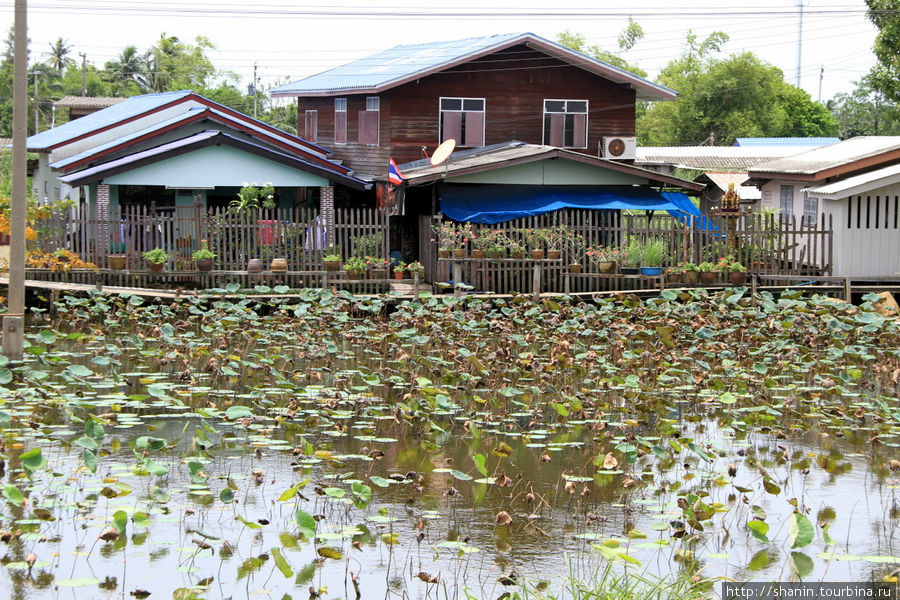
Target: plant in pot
x=737 y=273
x=377 y=267
x=708 y=272
x=355 y=267
x=331 y=261
x=574 y=247
x=156 y=258
x=415 y=268
x=516 y=249
x=653 y=253
x=399 y=269
x=631 y=257
x=534 y=241
x=483 y=241
x=690 y=273
x=554 y=237
x=204 y=257
x=447 y=236
x=602 y=258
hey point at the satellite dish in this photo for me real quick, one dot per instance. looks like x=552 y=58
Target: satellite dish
x=442 y=152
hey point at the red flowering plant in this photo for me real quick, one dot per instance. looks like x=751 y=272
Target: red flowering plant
x=373 y=262
x=599 y=254
x=451 y=236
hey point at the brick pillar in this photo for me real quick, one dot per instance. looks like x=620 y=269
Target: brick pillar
x=326 y=210
x=103 y=241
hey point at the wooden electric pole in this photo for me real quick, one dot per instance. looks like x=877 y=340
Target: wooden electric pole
x=14 y=319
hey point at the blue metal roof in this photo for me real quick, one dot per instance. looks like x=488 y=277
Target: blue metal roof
x=786 y=141
x=400 y=64
x=132 y=107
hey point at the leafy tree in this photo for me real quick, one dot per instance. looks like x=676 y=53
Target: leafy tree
x=865 y=111
x=128 y=72
x=59 y=55
x=722 y=99
x=174 y=65
x=629 y=36
x=885 y=76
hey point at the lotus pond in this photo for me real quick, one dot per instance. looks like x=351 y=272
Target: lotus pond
x=327 y=447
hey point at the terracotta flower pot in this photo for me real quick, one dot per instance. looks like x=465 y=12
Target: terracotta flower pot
x=204 y=264
x=537 y=254
x=254 y=265
x=690 y=277
x=278 y=265
x=478 y=253
x=738 y=277
x=331 y=265
x=398 y=275
x=707 y=277
x=443 y=254
x=553 y=254
x=608 y=266
x=156 y=267
x=459 y=253
x=378 y=273
x=518 y=255
x=574 y=268
x=354 y=274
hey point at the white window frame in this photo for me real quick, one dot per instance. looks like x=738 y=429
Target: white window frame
x=782 y=188
x=340 y=106
x=586 y=113
x=810 y=210
x=462 y=102
x=373 y=104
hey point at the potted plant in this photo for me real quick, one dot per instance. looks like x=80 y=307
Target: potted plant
x=605 y=259
x=574 y=247
x=707 y=272
x=653 y=253
x=156 y=258
x=516 y=249
x=204 y=257
x=377 y=267
x=332 y=260
x=483 y=241
x=116 y=261
x=554 y=237
x=399 y=268
x=355 y=266
x=631 y=257
x=415 y=268
x=690 y=273
x=534 y=241
x=737 y=273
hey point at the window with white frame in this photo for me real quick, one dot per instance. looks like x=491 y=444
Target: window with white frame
x=565 y=123
x=369 y=121
x=810 y=209
x=787 y=201
x=340 y=120
x=462 y=119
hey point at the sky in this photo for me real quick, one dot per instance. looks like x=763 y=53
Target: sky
x=290 y=39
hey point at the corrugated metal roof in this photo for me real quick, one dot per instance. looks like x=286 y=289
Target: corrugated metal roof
x=499 y=155
x=132 y=107
x=191 y=112
x=828 y=157
x=87 y=101
x=859 y=184
x=786 y=141
x=721 y=179
x=711 y=158
x=400 y=64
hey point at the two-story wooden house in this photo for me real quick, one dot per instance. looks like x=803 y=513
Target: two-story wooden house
x=478 y=91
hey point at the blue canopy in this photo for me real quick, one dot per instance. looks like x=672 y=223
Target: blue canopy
x=488 y=204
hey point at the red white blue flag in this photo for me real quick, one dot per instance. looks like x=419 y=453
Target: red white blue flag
x=394 y=174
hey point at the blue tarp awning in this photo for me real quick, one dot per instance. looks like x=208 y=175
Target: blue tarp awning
x=488 y=204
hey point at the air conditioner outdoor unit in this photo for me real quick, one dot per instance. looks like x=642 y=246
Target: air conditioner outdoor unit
x=618 y=148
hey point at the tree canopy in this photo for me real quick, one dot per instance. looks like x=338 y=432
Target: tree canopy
x=629 y=36
x=721 y=99
x=865 y=111
x=885 y=76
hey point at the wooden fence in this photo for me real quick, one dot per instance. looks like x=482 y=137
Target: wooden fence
x=767 y=244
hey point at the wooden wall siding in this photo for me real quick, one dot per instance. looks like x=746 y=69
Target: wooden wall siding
x=514 y=84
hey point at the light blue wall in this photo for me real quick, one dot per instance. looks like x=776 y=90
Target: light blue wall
x=216 y=166
x=551 y=172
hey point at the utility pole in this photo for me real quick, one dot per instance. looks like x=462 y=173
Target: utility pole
x=83 y=73
x=799 y=41
x=821 y=77
x=254 y=90
x=35 y=101
x=14 y=320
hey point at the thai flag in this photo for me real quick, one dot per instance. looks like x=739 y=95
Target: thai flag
x=394 y=174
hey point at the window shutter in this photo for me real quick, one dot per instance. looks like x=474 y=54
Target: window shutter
x=579 y=133
x=557 y=129
x=340 y=127
x=452 y=126
x=312 y=125
x=368 y=127
x=474 y=129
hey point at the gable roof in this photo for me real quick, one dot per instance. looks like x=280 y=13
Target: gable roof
x=859 y=184
x=786 y=141
x=401 y=64
x=830 y=161
x=513 y=153
x=194 y=114
x=137 y=107
x=731 y=158
x=721 y=179
x=202 y=140
x=97 y=102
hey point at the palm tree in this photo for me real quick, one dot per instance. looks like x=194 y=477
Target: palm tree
x=130 y=65
x=59 y=55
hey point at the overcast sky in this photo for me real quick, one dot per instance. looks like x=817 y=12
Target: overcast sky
x=289 y=39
